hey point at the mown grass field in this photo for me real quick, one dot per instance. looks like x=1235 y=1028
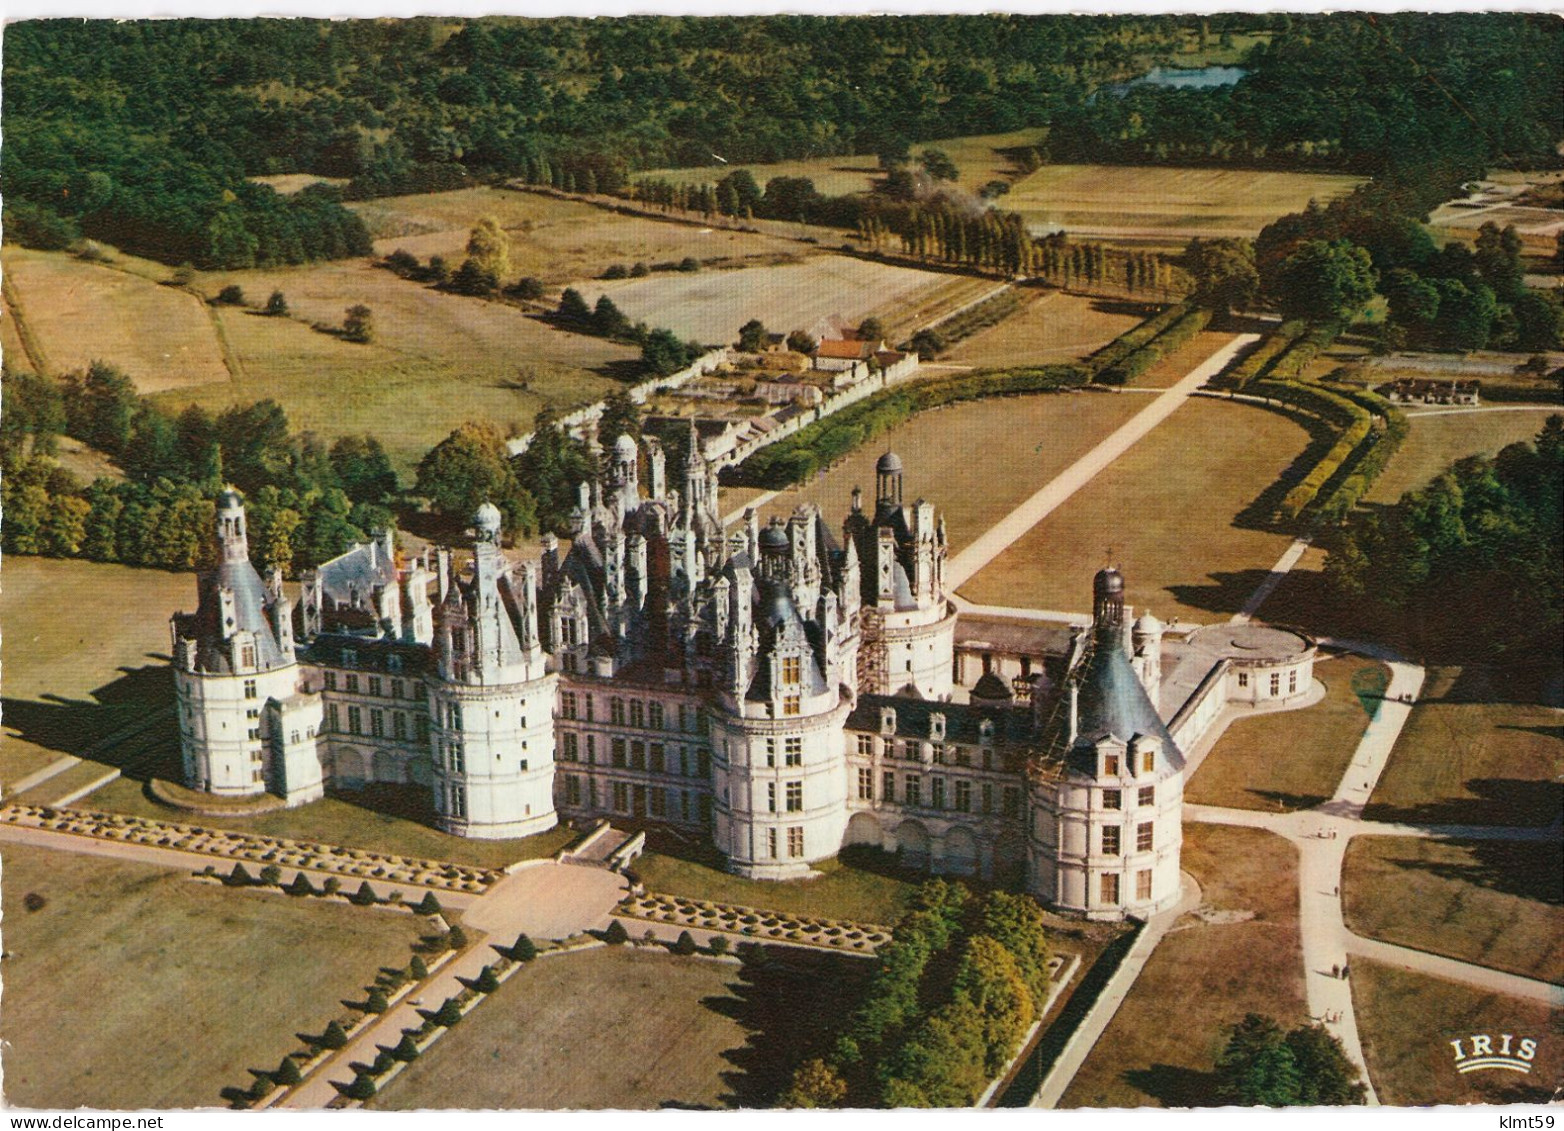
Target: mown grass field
x=1050 y=327
x=979 y=159
x=710 y=306
x=1407 y=1021
x=136 y=987
x=1434 y=443
x=975 y=462
x=844 y=888
x=86 y=647
x=1165 y=512
x=1108 y=201
x=557 y=241
x=1293 y=759
x=1470 y=756
x=1209 y=973
x=635 y=1028
x=81 y=312
x=1494 y=903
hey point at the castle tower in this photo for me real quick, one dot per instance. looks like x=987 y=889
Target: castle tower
x=778 y=748
x=247 y=724
x=1146 y=652
x=491 y=701
x=1104 y=839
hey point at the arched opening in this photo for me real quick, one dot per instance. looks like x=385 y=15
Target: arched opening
x=961 y=853
x=912 y=844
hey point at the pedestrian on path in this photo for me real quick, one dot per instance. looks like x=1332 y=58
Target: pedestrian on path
x=1335 y=970
x=1345 y=970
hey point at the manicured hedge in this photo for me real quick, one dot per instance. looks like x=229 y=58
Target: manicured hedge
x=990 y=312
x=1185 y=327
x=1263 y=357
x=1319 y=338
x=800 y=456
x=1134 y=338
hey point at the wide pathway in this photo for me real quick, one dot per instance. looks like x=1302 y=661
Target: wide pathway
x=1278 y=574
x=1112 y=995
x=1007 y=530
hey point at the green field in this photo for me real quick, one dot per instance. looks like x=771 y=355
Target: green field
x=136 y=987
x=1165 y=204
x=633 y=1028
x=1165 y=513
x=86 y=655
x=1162 y=1044
x=1494 y=903
x=1407 y=1021
x=1470 y=756
x=1292 y=759
x=1050 y=327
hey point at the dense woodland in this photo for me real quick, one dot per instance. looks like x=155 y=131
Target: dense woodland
x=142 y=133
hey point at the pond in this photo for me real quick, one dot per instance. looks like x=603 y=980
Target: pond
x=1184 y=78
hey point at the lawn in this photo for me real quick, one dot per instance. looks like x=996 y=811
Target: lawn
x=710 y=306
x=976 y=461
x=1407 y=1021
x=557 y=241
x=979 y=159
x=81 y=312
x=1050 y=327
x=852 y=888
x=396 y=824
x=86 y=654
x=1096 y=201
x=1436 y=442
x=1167 y=513
x=1162 y=1044
x=1495 y=903
x=633 y=1028
x=1468 y=755
x=135 y=987
x=1293 y=759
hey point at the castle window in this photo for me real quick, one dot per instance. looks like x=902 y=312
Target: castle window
x=394 y=665
x=1109 y=889
x=986 y=731
x=988 y=759
x=888 y=787
x=771 y=797
x=684 y=716
x=1148 y=795
x=1276 y=683
x=638 y=755
x=255 y=734
x=377 y=724
x=1243 y=679
x=247 y=656
x=914 y=790
x=964 y=795
x=655 y=758
x=1110 y=799
x=791 y=705
x=570 y=747
x=865 y=784
x=249 y=689
x=1110 y=765
x=1143 y=884
x=939 y=754
x=1148 y=761
x=572 y=790
x=421 y=727
x=331 y=681
x=658 y=802
x=866 y=746
x=1012 y=801
x=617 y=751
x=637 y=713
x=1110 y=840
x=703 y=763
x=887 y=720
x=616 y=711
x=794 y=751
x=355 y=721
x=253 y=713
x=567 y=705
x=591 y=749
x=937 y=725
x=963 y=756
x=255 y=776
x=397 y=686
x=792 y=669
x=1292 y=681
x=654 y=716
x=988 y=798
x=453 y=714
x=1145 y=832
x=684 y=761
x=374 y=685
x=937 y=792
x=588 y=708
x=795 y=841
x=771 y=753
x=795 y=796
x=771 y=843
x=293 y=737
x=458 y=758
x=621 y=797
x=350 y=660
x=353 y=684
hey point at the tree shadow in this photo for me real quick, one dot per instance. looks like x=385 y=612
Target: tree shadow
x=792 y=1003
x=1494 y=801
x=1225 y=592
x=1281 y=801
x=1174 y=1086
x=1529 y=869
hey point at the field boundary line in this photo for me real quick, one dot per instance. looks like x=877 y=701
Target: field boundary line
x=231 y=360
x=24 y=332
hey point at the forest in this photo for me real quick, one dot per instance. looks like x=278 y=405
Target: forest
x=143 y=134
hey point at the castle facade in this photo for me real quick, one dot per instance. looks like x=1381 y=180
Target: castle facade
x=781 y=689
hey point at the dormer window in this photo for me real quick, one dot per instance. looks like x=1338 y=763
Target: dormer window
x=887 y=720
x=792 y=669
x=1110 y=765
x=791 y=705
x=937 y=726
x=349 y=657
x=986 y=731
x=394 y=664
x=1148 y=760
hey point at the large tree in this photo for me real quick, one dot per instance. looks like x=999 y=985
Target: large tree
x=1323 y=280
x=1224 y=272
x=470 y=467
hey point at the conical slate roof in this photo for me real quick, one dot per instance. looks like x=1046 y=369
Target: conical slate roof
x=1114 y=702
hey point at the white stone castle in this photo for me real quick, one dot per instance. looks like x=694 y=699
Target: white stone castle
x=778 y=690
